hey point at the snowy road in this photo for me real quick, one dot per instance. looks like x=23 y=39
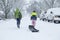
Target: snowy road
x=9 y=31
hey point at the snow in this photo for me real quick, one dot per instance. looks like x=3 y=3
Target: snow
x=56 y=11
x=9 y=30
x=47 y=31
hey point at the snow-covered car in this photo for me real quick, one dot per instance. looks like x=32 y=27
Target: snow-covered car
x=55 y=17
x=50 y=16
x=43 y=16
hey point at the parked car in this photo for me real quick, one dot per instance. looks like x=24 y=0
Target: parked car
x=43 y=16
x=52 y=15
x=55 y=16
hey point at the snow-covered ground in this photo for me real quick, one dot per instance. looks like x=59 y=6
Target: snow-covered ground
x=47 y=31
x=9 y=30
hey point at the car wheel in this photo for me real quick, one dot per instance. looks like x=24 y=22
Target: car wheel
x=43 y=19
x=56 y=22
x=48 y=20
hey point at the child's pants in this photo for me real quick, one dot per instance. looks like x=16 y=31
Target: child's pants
x=18 y=21
x=33 y=22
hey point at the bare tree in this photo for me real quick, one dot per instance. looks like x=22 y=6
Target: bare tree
x=34 y=6
x=6 y=6
x=57 y=3
x=48 y=4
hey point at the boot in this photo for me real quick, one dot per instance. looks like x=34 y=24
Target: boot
x=33 y=29
x=18 y=26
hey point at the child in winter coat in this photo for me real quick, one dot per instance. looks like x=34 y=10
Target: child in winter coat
x=18 y=17
x=33 y=19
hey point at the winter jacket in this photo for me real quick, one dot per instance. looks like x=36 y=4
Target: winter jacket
x=18 y=14
x=33 y=16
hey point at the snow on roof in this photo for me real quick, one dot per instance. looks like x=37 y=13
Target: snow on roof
x=55 y=11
